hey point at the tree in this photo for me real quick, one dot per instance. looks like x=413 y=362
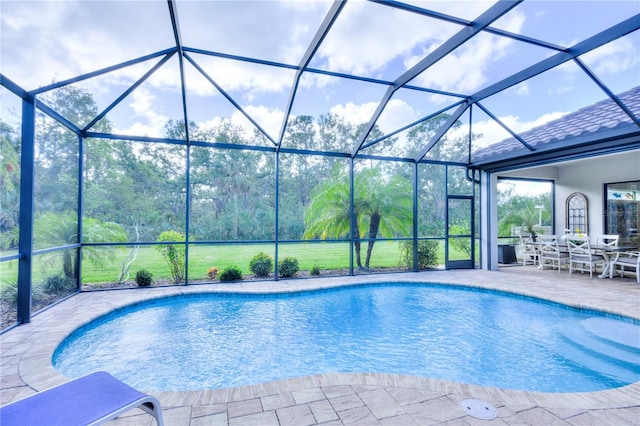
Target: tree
x=382 y=206
x=299 y=174
x=386 y=204
x=54 y=229
x=329 y=212
x=232 y=190
x=9 y=185
x=520 y=210
x=173 y=254
x=57 y=149
x=431 y=179
x=433 y=182
x=336 y=134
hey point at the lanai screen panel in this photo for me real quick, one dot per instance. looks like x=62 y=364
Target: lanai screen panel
x=46 y=41
x=261 y=65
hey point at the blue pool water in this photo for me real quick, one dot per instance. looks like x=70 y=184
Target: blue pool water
x=208 y=341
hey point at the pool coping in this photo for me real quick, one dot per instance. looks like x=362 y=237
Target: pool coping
x=35 y=343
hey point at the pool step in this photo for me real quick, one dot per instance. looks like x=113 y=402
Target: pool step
x=596 y=366
x=603 y=348
x=626 y=335
x=609 y=357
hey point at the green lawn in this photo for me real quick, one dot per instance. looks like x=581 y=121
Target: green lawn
x=328 y=256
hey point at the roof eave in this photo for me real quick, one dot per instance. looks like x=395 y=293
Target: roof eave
x=618 y=140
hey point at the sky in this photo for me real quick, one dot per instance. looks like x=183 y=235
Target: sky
x=46 y=41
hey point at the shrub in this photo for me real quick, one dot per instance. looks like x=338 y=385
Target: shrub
x=261 y=264
x=59 y=283
x=464 y=244
x=9 y=292
x=231 y=273
x=173 y=253
x=144 y=278
x=212 y=273
x=427 y=254
x=315 y=270
x=288 y=267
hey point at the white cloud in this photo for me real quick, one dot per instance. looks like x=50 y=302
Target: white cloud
x=317 y=81
x=520 y=126
x=492 y=132
x=147 y=121
x=236 y=76
x=353 y=113
x=520 y=89
x=560 y=89
x=467 y=68
x=469 y=10
x=396 y=114
x=367 y=37
x=392 y=42
x=613 y=58
x=214 y=123
x=271 y=30
x=513 y=22
x=270 y=119
x=45 y=41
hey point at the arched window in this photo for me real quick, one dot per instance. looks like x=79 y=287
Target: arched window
x=577 y=214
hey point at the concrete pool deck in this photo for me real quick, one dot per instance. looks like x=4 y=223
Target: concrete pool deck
x=341 y=399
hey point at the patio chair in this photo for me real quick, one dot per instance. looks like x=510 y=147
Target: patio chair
x=581 y=256
x=610 y=240
x=90 y=400
x=626 y=260
x=550 y=253
x=530 y=252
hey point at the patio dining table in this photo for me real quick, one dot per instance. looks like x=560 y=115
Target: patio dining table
x=606 y=252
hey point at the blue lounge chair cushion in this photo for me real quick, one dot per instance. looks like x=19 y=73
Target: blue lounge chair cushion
x=89 y=400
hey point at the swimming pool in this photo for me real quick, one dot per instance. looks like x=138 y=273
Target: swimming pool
x=207 y=341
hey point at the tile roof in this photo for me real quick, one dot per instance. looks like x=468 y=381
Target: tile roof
x=598 y=119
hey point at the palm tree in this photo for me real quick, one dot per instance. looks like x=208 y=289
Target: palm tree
x=386 y=204
x=526 y=219
x=55 y=229
x=329 y=212
x=520 y=211
x=381 y=205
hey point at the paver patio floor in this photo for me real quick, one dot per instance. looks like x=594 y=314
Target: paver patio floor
x=342 y=399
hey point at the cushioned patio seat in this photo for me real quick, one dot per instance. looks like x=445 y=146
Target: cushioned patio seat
x=626 y=259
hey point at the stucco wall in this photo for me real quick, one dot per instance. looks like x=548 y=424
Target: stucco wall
x=589 y=178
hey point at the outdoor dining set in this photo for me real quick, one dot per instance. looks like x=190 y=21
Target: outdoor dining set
x=581 y=253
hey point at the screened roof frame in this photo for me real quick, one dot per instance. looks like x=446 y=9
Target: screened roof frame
x=460 y=103
x=464 y=103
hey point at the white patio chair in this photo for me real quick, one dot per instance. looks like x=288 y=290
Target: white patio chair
x=629 y=259
x=609 y=240
x=530 y=252
x=550 y=253
x=581 y=256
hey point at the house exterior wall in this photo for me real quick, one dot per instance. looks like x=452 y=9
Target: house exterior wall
x=589 y=178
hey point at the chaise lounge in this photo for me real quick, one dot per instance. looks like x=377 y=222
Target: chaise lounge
x=89 y=400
